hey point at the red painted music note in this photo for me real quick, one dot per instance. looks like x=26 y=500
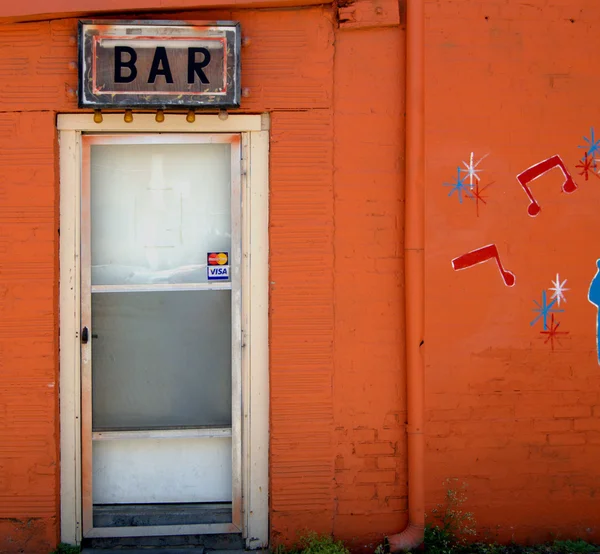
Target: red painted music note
x=483 y=254
x=538 y=170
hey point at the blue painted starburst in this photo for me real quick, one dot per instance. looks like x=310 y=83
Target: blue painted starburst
x=593 y=146
x=544 y=310
x=459 y=186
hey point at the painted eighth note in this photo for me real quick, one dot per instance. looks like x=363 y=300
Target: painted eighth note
x=536 y=171
x=483 y=254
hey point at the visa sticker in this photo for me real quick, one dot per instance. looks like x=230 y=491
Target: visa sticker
x=217 y=272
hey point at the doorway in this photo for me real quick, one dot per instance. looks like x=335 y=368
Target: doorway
x=161 y=331
x=166 y=373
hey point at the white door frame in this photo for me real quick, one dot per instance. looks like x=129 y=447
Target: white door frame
x=255 y=374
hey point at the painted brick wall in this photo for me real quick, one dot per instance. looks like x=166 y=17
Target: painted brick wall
x=337 y=367
x=369 y=378
x=302 y=321
x=28 y=335
x=509 y=415
x=336 y=337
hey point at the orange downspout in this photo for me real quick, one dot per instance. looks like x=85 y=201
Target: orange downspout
x=414 y=218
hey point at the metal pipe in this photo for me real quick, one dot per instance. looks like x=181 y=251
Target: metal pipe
x=414 y=242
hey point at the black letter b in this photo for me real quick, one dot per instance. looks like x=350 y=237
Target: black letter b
x=120 y=64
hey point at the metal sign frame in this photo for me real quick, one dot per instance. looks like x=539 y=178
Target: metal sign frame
x=159 y=96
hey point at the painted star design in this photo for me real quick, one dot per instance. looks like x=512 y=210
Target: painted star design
x=478 y=195
x=559 y=290
x=459 y=186
x=471 y=170
x=588 y=165
x=593 y=145
x=544 y=310
x=552 y=334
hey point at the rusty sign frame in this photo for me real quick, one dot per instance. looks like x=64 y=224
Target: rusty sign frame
x=89 y=97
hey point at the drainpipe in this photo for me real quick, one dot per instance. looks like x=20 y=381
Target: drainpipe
x=414 y=217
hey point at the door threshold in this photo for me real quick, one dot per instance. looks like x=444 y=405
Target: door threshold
x=192 y=550
x=147 y=515
x=219 y=543
x=167 y=550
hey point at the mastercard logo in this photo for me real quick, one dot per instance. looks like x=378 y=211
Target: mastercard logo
x=218 y=258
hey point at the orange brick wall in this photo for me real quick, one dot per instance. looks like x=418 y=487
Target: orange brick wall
x=514 y=419
x=506 y=413
x=336 y=338
x=28 y=333
x=369 y=378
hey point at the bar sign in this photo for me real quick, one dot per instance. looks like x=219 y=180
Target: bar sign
x=159 y=64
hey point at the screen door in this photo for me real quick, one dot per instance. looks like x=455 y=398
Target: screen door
x=160 y=329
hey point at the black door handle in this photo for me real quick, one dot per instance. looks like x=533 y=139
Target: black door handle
x=85 y=335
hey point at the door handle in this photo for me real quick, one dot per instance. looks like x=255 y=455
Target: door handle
x=85 y=335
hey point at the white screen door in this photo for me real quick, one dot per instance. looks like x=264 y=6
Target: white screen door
x=160 y=326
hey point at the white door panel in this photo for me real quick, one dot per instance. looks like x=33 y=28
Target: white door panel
x=138 y=471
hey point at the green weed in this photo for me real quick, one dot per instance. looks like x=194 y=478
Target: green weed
x=313 y=543
x=452 y=525
x=573 y=547
x=64 y=548
x=452 y=529
x=439 y=540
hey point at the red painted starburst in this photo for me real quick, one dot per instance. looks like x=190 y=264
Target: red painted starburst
x=553 y=333
x=477 y=195
x=588 y=165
